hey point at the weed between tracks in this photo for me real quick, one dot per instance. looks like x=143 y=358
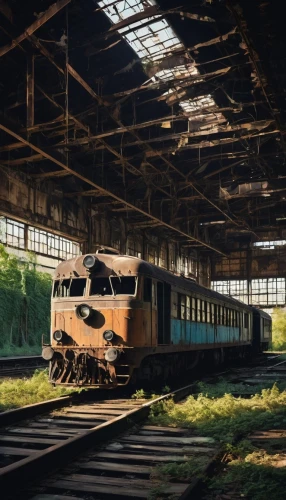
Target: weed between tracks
x=254 y=473
x=15 y=393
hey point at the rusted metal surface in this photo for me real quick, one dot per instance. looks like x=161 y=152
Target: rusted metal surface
x=78 y=349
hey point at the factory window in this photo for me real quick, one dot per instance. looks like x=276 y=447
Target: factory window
x=269 y=245
x=100 y=286
x=147 y=294
x=193 y=309
x=75 y=287
x=188 y=308
x=183 y=265
x=182 y=306
x=134 y=246
x=234 y=288
x=199 y=310
x=125 y=285
x=12 y=233
x=40 y=241
x=268 y=291
x=174 y=304
x=163 y=256
x=152 y=254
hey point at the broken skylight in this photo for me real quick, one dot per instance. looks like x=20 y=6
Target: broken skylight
x=153 y=39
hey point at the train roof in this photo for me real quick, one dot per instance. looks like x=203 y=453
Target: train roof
x=126 y=265
x=261 y=313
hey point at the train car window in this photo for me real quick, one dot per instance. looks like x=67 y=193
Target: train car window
x=70 y=288
x=218 y=314
x=182 y=306
x=174 y=304
x=234 y=319
x=213 y=307
x=208 y=312
x=125 y=285
x=147 y=293
x=267 y=329
x=221 y=315
x=203 y=315
x=231 y=317
x=154 y=294
x=100 y=286
x=245 y=320
x=199 y=310
x=188 y=308
x=193 y=309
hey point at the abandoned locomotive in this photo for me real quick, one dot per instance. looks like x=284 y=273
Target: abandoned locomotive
x=117 y=318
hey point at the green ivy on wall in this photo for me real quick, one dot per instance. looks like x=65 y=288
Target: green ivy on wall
x=25 y=296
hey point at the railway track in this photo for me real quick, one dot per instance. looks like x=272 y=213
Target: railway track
x=18 y=366
x=33 y=449
x=104 y=449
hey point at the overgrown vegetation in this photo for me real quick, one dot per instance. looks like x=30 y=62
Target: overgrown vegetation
x=226 y=417
x=279 y=329
x=250 y=473
x=15 y=393
x=216 y=412
x=25 y=305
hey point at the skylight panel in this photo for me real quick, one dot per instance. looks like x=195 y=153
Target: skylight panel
x=159 y=34
x=152 y=43
x=124 y=9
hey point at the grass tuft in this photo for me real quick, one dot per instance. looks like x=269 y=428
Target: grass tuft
x=225 y=417
x=15 y=393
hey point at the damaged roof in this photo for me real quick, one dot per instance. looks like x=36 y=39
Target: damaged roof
x=167 y=113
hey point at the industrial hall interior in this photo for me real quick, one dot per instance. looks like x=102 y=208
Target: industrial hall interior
x=154 y=129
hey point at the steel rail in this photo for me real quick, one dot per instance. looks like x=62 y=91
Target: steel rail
x=41 y=463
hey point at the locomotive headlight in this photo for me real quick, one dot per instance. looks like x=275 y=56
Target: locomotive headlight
x=83 y=311
x=108 y=335
x=90 y=262
x=112 y=355
x=58 y=335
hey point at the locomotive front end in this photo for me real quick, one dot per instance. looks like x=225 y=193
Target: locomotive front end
x=90 y=323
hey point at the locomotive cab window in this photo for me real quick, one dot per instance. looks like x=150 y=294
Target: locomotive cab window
x=125 y=285
x=100 y=286
x=75 y=287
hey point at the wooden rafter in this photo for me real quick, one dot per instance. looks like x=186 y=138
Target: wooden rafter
x=7 y=129
x=50 y=12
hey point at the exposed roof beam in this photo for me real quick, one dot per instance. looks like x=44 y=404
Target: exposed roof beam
x=152 y=152
x=50 y=12
x=7 y=129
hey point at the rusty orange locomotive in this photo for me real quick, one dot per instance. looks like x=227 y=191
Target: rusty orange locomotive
x=116 y=318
